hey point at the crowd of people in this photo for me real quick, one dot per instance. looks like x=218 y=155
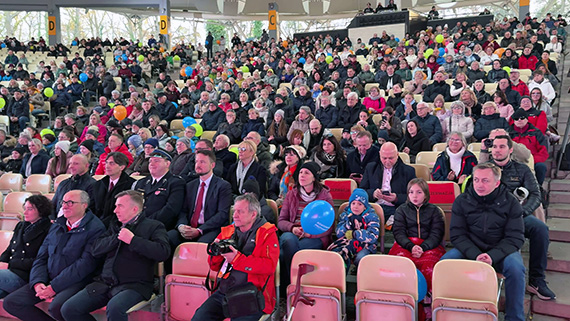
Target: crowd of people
x=279 y=103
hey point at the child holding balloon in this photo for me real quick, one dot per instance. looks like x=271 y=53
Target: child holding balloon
x=357 y=230
x=418 y=230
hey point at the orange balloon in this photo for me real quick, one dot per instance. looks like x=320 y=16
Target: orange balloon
x=218 y=42
x=285 y=43
x=182 y=72
x=499 y=52
x=120 y=112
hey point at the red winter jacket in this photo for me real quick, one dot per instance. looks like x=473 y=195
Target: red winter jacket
x=533 y=139
x=537 y=118
x=528 y=62
x=101 y=167
x=522 y=88
x=259 y=265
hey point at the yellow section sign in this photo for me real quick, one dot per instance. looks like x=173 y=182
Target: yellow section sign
x=51 y=25
x=163 y=25
x=272 y=20
x=524 y=3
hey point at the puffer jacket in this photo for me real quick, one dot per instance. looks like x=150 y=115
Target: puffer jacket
x=425 y=222
x=458 y=123
x=486 y=123
x=533 y=139
x=65 y=258
x=441 y=167
x=491 y=224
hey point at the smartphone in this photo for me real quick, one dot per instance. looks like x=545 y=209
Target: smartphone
x=385 y=192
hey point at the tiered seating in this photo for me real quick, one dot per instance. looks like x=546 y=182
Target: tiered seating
x=38 y=183
x=10 y=182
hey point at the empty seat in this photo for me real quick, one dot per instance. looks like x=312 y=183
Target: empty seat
x=337 y=133
x=427 y=158
x=404 y=157
x=387 y=286
x=450 y=299
x=185 y=288
x=58 y=179
x=11 y=182
x=208 y=134
x=14 y=202
x=422 y=171
x=38 y=183
x=326 y=285
x=439 y=147
x=5 y=237
x=8 y=221
x=474 y=147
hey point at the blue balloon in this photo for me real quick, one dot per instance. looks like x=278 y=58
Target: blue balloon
x=188 y=121
x=302 y=60
x=317 y=217
x=175 y=137
x=83 y=77
x=117 y=58
x=3 y=45
x=175 y=104
x=207 y=42
x=329 y=54
x=188 y=71
x=441 y=52
x=125 y=57
x=397 y=39
x=422 y=286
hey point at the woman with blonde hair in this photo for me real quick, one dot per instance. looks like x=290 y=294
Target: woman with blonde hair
x=246 y=167
x=472 y=106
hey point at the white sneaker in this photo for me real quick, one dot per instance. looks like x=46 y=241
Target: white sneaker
x=554 y=137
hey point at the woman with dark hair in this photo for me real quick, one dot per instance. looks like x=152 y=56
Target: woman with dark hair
x=16 y=261
x=419 y=229
x=170 y=146
x=505 y=109
x=415 y=140
x=162 y=135
x=540 y=103
x=330 y=157
x=139 y=166
x=58 y=164
x=285 y=173
x=510 y=59
x=307 y=189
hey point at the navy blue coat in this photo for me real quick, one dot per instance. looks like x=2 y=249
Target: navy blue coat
x=401 y=175
x=253 y=126
x=39 y=163
x=431 y=127
x=328 y=116
x=355 y=165
x=167 y=111
x=65 y=257
x=441 y=167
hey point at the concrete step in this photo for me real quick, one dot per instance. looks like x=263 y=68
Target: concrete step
x=557 y=197
x=560 y=253
x=559 y=210
x=559 y=229
x=559 y=185
x=560 y=308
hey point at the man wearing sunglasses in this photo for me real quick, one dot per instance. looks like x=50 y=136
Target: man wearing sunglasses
x=64 y=264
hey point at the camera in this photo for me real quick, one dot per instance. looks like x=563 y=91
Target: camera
x=221 y=247
x=488 y=143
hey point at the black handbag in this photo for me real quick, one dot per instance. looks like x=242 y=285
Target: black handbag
x=244 y=300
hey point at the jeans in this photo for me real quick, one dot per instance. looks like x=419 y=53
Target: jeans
x=540 y=172
x=388 y=211
x=21 y=303
x=9 y=282
x=537 y=233
x=78 y=307
x=290 y=244
x=87 y=97
x=211 y=310
x=512 y=268
x=359 y=256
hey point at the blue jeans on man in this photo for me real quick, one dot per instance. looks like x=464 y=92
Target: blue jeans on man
x=513 y=269
x=9 y=282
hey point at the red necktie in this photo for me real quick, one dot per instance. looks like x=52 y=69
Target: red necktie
x=198 y=208
x=111 y=186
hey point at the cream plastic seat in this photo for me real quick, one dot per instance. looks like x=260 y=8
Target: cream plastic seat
x=387 y=286
x=58 y=179
x=451 y=301
x=422 y=171
x=337 y=133
x=474 y=147
x=405 y=157
x=427 y=158
x=11 y=182
x=326 y=285
x=38 y=183
x=439 y=147
x=208 y=134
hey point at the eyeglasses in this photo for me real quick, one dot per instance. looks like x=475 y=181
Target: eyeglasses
x=242 y=149
x=69 y=203
x=519 y=118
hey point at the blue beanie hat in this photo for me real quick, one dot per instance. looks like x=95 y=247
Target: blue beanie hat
x=135 y=140
x=359 y=195
x=151 y=141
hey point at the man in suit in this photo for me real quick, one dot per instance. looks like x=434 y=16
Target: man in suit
x=80 y=179
x=105 y=189
x=162 y=190
x=386 y=182
x=206 y=206
x=364 y=154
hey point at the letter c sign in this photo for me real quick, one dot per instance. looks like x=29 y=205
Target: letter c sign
x=272 y=20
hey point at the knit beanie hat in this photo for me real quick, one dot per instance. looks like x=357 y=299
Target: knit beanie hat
x=300 y=151
x=63 y=145
x=313 y=168
x=359 y=195
x=89 y=144
x=135 y=140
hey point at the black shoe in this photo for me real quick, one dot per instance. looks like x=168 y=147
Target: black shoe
x=541 y=290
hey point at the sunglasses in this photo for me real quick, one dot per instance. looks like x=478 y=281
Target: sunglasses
x=519 y=118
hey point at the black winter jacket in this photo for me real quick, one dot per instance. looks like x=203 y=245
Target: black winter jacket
x=516 y=175
x=491 y=224
x=425 y=222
